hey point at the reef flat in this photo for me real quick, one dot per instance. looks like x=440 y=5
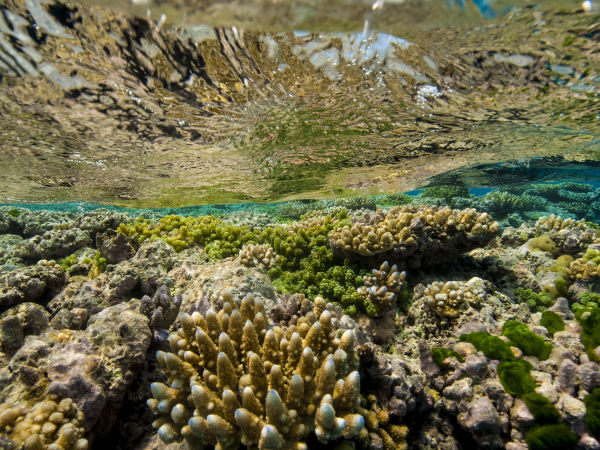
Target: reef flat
x=443 y=320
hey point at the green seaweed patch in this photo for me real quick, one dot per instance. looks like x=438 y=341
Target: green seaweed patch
x=515 y=377
x=544 y=412
x=592 y=412
x=552 y=322
x=492 y=346
x=537 y=301
x=99 y=266
x=587 y=301
x=14 y=212
x=551 y=437
x=589 y=319
x=522 y=337
x=439 y=355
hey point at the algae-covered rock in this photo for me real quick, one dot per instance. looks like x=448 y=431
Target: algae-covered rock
x=52 y=244
x=32 y=283
x=114 y=246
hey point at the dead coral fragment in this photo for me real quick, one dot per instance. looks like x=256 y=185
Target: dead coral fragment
x=448 y=299
x=383 y=286
x=49 y=424
x=232 y=380
x=258 y=255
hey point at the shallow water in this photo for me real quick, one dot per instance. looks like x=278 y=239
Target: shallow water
x=102 y=107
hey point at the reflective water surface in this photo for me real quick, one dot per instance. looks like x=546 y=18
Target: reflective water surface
x=249 y=101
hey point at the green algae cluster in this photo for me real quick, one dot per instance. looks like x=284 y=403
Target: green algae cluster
x=305 y=262
x=515 y=376
x=537 y=301
x=513 y=373
x=592 y=412
x=522 y=337
x=552 y=322
x=589 y=319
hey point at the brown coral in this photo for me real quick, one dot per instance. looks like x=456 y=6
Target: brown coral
x=418 y=235
x=233 y=380
x=448 y=299
x=258 y=255
x=382 y=287
x=49 y=424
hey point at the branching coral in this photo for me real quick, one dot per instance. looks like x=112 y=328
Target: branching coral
x=258 y=255
x=233 y=380
x=448 y=299
x=382 y=288
x=571 y=236
x=420 y=234
x=587 y=267
x=52 y=424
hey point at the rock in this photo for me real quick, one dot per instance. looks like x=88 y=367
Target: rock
x=566 y=376
x=589 y=374
x=114 y=246
x=19 y=322
x=475 y=366
x=52 y=244
x=464 y=349
x=33 y=283
x=548 y=391
x=588 y=442
x=483 y=422
x=572 y=408
x=520 y=414
x=561 y=307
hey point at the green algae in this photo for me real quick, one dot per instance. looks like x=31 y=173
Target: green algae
x=592 y=412
x=552 y=322
x=522 y=337
x=439 y=355
x=544 y=412
x=537 y=301
x=515 y=377
x=492 y=346
x=551 y=437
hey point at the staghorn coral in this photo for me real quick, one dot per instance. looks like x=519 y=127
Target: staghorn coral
x=258 y=255
x=382 y=288
x=418 y=235
x=50 y=424
x=448 y=299
x=161 y=308
x=233 y=380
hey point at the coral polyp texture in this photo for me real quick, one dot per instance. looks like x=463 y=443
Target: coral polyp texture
x=449 y=299
x=418 y=235
x=586 y=267
x=258 y=255
x=382 y=287
x=571 y=236
x=232 y=380
x=50 y=424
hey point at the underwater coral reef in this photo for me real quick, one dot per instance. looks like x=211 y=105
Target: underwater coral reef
x=399 y=322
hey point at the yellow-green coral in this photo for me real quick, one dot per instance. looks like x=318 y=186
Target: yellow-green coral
x=52 y=424
x=233 y=380
x=448 y=299
x=381 y=288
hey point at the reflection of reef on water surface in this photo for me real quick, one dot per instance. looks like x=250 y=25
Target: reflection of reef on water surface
x=123 y=111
